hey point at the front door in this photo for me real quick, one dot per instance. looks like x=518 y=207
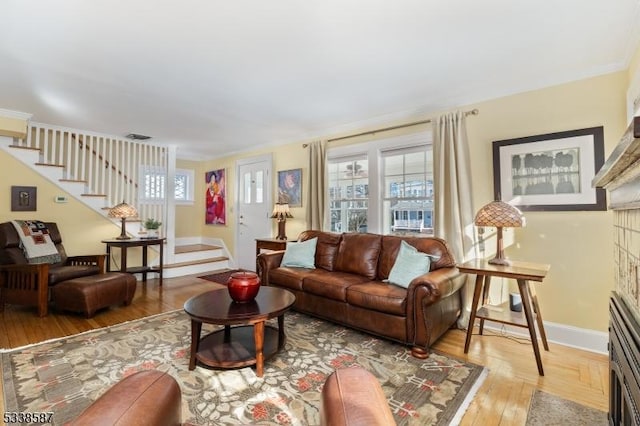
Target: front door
x=253 y=207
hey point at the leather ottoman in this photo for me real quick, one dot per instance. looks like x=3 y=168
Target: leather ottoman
x=88 y=294
x=146 y=398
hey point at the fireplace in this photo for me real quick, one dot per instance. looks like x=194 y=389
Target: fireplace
x=620 y=175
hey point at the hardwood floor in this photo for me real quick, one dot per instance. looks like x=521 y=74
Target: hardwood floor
x=503 y=398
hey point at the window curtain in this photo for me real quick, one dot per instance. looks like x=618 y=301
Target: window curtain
x=317 y=187
x=453 y=204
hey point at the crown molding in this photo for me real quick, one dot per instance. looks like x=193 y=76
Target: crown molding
x=7 y=113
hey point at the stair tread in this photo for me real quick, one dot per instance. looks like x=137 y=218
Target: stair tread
x=72 y=180
x=50 y=165
x=24 y=147
x=195 y=262
x=190 y=248
x=93 y=195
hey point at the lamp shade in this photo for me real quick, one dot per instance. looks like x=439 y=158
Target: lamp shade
x=281 y=211
x=500 y=214
x=123 y=210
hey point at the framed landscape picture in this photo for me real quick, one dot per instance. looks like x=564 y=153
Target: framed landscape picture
x=550 y=172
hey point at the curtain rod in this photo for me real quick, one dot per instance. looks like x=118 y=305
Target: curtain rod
x=474 y=111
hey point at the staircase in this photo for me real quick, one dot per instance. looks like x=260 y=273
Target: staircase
x=101 y=171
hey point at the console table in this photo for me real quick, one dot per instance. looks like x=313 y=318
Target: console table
x=522 y=272
x=270 y=244
x=136 y=242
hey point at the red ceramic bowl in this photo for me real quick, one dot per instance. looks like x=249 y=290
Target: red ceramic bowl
x=243 y=286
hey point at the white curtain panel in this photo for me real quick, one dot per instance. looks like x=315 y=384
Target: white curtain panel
x=317 y=187
x=453 y=203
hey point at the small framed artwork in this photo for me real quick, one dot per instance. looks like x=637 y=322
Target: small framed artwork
x=24 y=198
x=550 y=172
x=290 y=187
x=215 y=198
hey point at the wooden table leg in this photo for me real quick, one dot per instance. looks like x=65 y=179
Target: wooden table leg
x=526 y=304
x=474 y=308
x=161 y=262
x=226 y=338
x=485 y=298
x=144 y=263
x=281 y=336
x=536 y=309
x=258 y=335
x=108 y=258
x=196 y=327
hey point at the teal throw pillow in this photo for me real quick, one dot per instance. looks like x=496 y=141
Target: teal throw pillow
x=410 y=263
x=301 y=255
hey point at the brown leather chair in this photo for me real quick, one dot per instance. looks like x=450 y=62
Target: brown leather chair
x=146 y=398
x=353 y=397
x=24 y=283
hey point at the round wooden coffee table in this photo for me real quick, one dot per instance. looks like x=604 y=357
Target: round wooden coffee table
x=251 y=342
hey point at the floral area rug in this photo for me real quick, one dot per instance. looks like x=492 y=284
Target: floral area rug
x=65 y=375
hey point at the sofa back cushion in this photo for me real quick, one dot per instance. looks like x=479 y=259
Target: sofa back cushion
x=326 y=248
x=437 y=247
x=358 y=254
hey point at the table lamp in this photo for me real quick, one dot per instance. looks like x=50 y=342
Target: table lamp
x=281 y=213
x=500 y=215
x=123 y=211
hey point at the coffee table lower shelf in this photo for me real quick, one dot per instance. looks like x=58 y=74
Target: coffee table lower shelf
x=240 y=349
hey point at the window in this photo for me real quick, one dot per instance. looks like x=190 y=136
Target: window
x=382 y=187
x=348 y=194
x=408 y=190
x=152 y=184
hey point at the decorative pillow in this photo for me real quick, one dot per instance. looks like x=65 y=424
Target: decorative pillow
x=301 y=255
x=410 y=263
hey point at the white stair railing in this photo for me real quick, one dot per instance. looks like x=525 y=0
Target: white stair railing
x=109 y=166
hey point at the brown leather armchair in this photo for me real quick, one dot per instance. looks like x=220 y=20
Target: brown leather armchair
x=24 y=283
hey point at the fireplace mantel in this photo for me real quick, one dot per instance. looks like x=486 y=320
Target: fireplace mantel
x=620 y=174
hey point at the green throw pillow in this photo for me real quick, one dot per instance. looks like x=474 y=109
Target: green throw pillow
x=301 y=255
x=410 y=263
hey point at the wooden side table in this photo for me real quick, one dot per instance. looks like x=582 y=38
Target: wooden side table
x=522 y=272
x=270 y=244
x=137 y=242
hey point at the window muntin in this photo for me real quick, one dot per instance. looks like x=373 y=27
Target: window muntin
x=153 y=185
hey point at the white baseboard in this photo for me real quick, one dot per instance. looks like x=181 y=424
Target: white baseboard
x=561 y=334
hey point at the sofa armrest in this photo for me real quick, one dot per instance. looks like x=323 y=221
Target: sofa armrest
x=423 y=292
x=97 y=260
x=266 y=262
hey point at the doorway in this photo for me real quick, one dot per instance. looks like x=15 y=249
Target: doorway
x=253 y=207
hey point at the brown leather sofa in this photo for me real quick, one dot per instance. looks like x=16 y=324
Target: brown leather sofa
x=146 y=398
x=347 y=286
x=22 y=283
x=353 y=397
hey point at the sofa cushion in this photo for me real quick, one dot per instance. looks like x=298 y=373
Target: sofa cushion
x=378 y=296
x=290 y=277
x=301 y=255
x=358 y=254
x=326 y=249
x=435 y=247
x=409 y=264
x=332 y=285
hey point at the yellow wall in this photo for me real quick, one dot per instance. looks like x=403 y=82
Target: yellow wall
x=82 y=229
x=578 y=245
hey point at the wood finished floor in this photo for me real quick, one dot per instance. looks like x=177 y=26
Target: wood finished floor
x=503 y=398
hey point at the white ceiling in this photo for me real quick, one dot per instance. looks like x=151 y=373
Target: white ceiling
x=226 y=76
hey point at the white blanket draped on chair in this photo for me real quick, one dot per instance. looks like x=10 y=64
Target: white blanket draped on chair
x=36 y=242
